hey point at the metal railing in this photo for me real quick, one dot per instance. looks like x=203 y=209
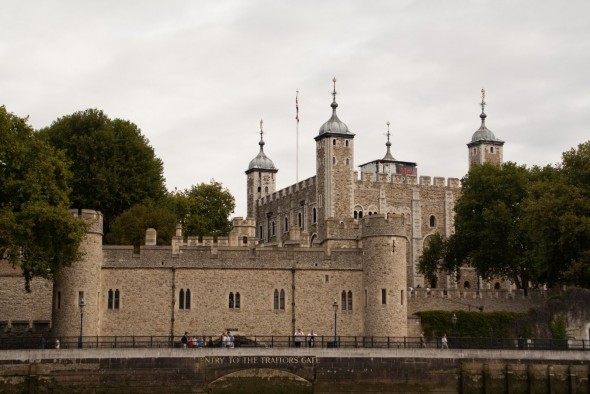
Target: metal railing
x=272 y=341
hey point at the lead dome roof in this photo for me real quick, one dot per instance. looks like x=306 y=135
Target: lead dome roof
x=261 y=161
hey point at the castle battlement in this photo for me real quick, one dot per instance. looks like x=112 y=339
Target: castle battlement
x=288 y=191
x=400 y=179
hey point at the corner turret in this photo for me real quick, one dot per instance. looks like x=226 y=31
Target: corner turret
x=484 y=146
x=77 y=289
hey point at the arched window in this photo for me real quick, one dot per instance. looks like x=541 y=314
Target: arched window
x=116 y=298
x=491 y=149
x=244 y=239
x=346 y=142
x=259 y=189
x=349 y=300
x=497 y=286
x=275 y=302
x=282 y=301
x=181 y=299
x=314 y=215
x=334 y=142
x=432 y=221
x=110 y=299
x=466 y=284
x=187 y=302
x=237 y=303
x=343 y=300
x=355 y=214
x=231 y=300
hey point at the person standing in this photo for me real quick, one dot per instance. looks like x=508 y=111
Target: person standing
x=223 y=339
x=311 y=338
x=184 y=340
x=299 y=337
x=444 y=344
x=422 y=343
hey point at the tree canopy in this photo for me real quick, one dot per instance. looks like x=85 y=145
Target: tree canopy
x=129 y=227
x=204 y=209
x=114 y=166
x=37 y=232
x=529 y=226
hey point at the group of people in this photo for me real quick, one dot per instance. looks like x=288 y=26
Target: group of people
x=226 y=340
x=299 y=337
x=193 y=342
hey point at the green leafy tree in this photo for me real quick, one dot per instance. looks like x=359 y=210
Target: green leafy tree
x=204 y=210
x=37 y=232
x=129 y=227
x=114 y=166
x=432 y=259
x=558 y=218
x=489 y=233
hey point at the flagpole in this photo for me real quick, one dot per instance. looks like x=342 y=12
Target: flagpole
x=297 y=138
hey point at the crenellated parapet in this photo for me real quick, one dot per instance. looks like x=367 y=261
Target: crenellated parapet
x=289 y=191
x=400 y=179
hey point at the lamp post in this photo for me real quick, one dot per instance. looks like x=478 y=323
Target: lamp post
x=335 y=306
x=454 y=321
x=82 y=305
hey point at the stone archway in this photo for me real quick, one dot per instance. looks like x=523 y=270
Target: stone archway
x=260 y=380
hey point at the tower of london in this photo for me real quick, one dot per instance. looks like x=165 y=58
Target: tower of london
x=342 y=236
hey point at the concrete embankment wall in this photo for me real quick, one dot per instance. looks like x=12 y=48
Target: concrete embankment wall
x=293 y=371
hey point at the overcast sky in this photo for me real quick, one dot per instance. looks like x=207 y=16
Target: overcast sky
x=197 y=77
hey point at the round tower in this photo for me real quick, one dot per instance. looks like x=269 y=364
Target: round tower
x=384 y=275
x=484 y=146
x=261 y=180
x=76 y=290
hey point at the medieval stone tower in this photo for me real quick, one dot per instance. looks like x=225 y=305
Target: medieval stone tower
x=261 y=180
x=334 y=169
x=384 y=275
x=484 y=146
x=77 y=288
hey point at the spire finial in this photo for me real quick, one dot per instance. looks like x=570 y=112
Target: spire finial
x=334 y=91
x=388 y=134
x=483 y=104
x=261 y=143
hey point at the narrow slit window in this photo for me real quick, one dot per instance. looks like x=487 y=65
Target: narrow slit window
x=181 y=299
x=383 y=296
x=282 y=305
x=117 y=295
x=187 y=302
x=110 y=299
x=349 y=300
x=231 y=300
x=275 y=302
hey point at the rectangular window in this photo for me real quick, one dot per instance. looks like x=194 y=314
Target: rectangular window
x=80 y=298
x=327 y=279
x=384 y=296
x=402 y=298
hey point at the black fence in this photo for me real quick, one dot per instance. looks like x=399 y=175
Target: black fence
x=266 y=341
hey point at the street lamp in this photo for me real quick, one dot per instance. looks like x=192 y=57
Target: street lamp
x=82 y=305
x=335 y=306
